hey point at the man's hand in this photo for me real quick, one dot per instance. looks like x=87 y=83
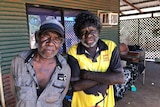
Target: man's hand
x=98 y=89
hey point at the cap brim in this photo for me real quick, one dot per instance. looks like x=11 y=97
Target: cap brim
x=52 y=27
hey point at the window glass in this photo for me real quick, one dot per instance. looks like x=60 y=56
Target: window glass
x=37 y=14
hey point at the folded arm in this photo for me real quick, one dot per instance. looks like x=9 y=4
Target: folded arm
x=77 y=82
x=108 y=78
x=83 y=84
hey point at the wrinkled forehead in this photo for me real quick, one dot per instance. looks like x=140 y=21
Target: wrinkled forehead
x=88 y=25
x=88 y=29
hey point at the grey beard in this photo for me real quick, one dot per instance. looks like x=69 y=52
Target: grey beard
x=89 y=46
x=46 y=57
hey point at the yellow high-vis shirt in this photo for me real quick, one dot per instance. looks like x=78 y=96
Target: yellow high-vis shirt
x=79 y=60
x=80 y=99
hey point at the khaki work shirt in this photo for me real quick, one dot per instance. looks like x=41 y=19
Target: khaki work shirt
x=25 y=82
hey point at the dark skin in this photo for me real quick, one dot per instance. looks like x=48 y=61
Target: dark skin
x=90 y=79
x=44 y=69
x=44 y=61
x=92 y=50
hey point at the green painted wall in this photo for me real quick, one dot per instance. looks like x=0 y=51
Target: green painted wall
x=14 y=36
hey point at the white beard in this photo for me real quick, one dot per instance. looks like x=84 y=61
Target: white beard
x=89 y=46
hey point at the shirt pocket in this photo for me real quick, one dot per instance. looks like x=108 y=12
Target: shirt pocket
x=25 y=93
x=24 y=88
x=55 y=92
x=59 y=85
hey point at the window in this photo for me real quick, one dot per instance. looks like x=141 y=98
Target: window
x=36 y=14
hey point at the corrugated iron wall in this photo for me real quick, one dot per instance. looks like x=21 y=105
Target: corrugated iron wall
x=13 y=31
x=14 y=36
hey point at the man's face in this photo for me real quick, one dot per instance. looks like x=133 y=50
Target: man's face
x=49 y=44
x=89 y=36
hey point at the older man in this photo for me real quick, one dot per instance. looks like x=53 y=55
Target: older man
x=95 y=64
x=41 y=76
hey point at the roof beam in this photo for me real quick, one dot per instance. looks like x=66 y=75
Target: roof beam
x=152 y=12
x=121 y=13
x=133 y=5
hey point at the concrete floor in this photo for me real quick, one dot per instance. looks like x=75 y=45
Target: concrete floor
x=147 y=95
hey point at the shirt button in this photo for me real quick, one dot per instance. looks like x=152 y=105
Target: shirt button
x=34 y=75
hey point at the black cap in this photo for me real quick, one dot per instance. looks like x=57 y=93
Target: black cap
x=53 y=25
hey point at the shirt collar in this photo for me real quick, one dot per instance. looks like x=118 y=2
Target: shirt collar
x=101 y=45
x=31 y=55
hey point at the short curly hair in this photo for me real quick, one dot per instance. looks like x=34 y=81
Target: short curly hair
x=86 y=19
